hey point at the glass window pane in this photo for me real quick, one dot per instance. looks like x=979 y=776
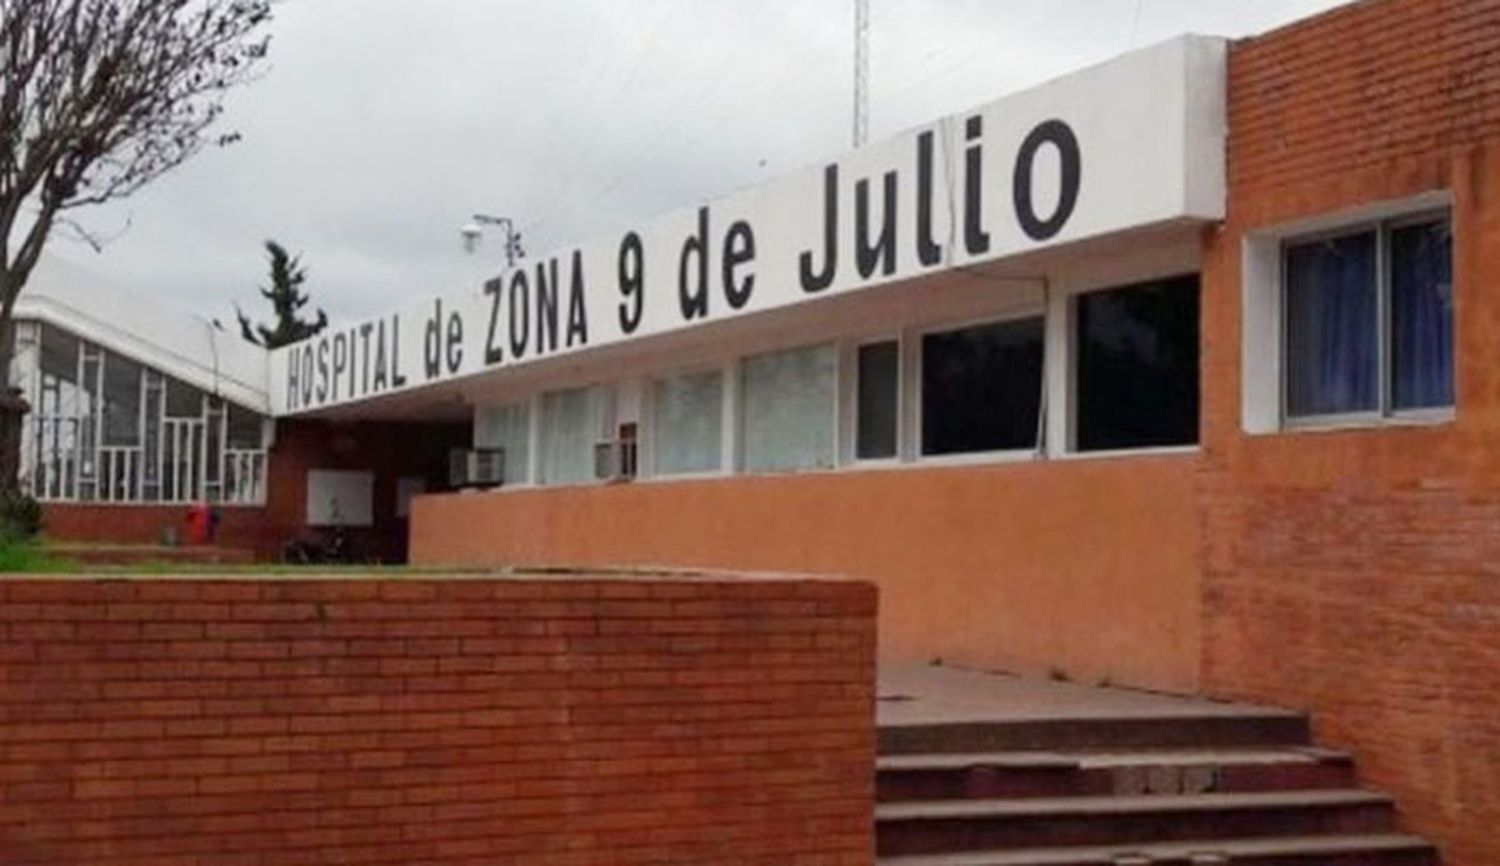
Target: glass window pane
x=572 y=424
x=183 y=401
x=688 y=423
x=787 y=408
x=1138 y=365
x=122 y=401
x=508 y=428
x=1332 y=355
x=244 y=431
x=1422 y=315
x=877 y=398
x=981 y=387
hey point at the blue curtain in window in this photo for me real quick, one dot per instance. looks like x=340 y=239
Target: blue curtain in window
x=1332 y=357
x=1422 y=315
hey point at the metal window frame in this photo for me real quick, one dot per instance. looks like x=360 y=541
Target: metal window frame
x=1385 y=410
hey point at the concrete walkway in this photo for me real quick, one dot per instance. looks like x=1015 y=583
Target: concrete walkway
x=935 y=695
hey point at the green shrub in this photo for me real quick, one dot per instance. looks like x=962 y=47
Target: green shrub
x=20 y=517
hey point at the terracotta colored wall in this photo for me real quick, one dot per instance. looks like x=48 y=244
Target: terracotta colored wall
x=1354 y=573
x=1088 y=567
x=243 y=528
x=440 y=722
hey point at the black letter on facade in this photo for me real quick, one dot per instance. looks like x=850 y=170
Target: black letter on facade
x=883 y=251
x=694 y=302
x=929 y=252
x=578 y=314
x=520 y=316
x=546 y=306
x=817 y=282
x=364 y=357
x=432 y=342
x=398 y=378
x=1061 y=136
x=340 y=360
x=455 y=349
x=493 y=354
x=976 y=239
x=739 y=248
x=307 y=376
x=322 y=369
x=292 y=363
x=632 y=274
x=382 y=378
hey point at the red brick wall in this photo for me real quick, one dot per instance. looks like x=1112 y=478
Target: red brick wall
x=1353 y=573
x=441 y=721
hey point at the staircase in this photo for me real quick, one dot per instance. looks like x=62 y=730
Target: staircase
x=1095 y=789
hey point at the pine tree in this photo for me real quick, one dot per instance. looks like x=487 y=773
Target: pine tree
x=287 y=298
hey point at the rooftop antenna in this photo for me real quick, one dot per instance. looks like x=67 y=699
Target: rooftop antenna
x=861 y=72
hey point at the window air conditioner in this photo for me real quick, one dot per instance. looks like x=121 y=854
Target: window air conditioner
x=614 y=460
x=476 y=467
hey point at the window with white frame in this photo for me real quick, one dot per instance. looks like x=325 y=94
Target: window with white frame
x=687 y=423
x=877 y=400
x=1367 y=317
x=105 y=428
x=572 y=423
x=506 y=428
x=788 y=402
x=981 y=387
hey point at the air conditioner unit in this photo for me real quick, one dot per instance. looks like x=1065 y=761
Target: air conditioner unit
x=476 y=467
x=615 y=460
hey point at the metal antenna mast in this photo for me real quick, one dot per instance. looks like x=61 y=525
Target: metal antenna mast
x=861 y=71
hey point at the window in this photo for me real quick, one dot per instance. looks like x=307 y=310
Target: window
x=1137 y=366
x=122 y=401
x=981 y=387
x=687 y=418
x=1368 y=318
x=787 y=409
x=507 y=428
x=572 y=423
x=877 y=400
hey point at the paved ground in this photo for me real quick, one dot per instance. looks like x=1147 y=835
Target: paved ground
x=926 y=694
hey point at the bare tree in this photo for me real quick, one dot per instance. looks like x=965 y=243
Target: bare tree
x=97 y=99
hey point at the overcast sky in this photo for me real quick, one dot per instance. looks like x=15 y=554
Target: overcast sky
x=381 y=125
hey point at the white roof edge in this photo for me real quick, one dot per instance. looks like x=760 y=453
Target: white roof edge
x=180 y=344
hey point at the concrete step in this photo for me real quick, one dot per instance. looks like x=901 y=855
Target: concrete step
x=948 y=826
x=1137 y=772
x=1209 y=731
x=1366 y=850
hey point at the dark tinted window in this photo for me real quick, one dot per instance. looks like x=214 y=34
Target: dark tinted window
x=1332 y=326
x=1137 y=366
x=879 y=377
x=981 y=387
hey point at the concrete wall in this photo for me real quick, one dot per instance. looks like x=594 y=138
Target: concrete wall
x=1089 y=567
x=1353 y=573
x=441 y=721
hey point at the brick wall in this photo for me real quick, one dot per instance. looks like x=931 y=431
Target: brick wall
x=1353 y=573
x=458 y=721
x=390 y=450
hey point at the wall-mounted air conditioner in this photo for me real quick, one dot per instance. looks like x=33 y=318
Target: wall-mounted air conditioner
x=615 y=460
x=476 y=467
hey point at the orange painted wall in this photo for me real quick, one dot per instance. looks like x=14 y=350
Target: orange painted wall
x=1089 y=567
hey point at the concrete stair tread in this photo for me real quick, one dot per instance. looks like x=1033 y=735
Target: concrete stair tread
x=1108 y=759
x=1297 y=846
x=1112 y=805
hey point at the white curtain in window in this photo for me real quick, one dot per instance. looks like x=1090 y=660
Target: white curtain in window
x=787 y=409
x=507 y=427
x=572 y=423
x=688 y=421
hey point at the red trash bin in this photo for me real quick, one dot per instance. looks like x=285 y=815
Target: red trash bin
x=200 y=525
